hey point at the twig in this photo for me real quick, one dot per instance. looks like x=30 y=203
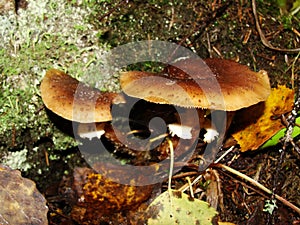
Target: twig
x=295 y=31
x=225 y=153
x=186 y=174
x=172 y=18
x=190 y=186
x=186 y=186
x=293 y=70
x=208 y=45
x=257 y=184
x=262 y=36
x=291 y=122
x=171 y=163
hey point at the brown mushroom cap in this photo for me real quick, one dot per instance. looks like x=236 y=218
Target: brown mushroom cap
x=74 y=100
x=221 y=85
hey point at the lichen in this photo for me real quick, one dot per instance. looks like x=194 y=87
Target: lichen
x=17 y=160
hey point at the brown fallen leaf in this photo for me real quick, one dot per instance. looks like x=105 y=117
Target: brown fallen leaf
x=21 y=202
x=257 y=124
x=99 y=196
x=214 y=194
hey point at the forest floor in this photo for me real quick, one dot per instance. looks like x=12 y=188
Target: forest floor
x=211 y=29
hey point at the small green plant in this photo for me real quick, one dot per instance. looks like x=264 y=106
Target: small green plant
x=291 y=7
x=289 y=13
x=270 y=206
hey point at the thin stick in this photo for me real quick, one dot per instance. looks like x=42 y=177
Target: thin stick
x=293 y=71
x=191 y=187
x=186 y=186
x=171 y=162
x=257 y=184
x=225 y=153
x=186 y=174
x=170 y=173
x=159 y=137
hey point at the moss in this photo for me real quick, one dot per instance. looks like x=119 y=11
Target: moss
x=45 y=35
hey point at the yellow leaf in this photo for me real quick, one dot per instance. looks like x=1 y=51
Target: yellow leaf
x=172 y=207
x=257 y=124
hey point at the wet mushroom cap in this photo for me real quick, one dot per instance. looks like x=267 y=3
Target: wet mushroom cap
x=73 y=100
x=210 y=84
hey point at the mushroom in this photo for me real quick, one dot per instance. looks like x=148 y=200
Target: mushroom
x=237 y=86
x=213 y=84
x=75 y=101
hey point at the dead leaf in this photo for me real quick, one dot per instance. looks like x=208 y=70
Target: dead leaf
x=172 y=207
x=21 y=202
x=99 y=196
x=261 y=127
x=214 y=194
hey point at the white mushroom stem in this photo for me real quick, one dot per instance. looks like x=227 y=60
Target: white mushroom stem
x=211 y=135
x=90 y=130
x=185 y=129
x=184 y=132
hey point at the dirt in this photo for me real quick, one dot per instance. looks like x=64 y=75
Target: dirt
x=211 y=29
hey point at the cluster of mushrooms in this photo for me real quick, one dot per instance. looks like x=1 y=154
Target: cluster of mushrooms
x=237 y=87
